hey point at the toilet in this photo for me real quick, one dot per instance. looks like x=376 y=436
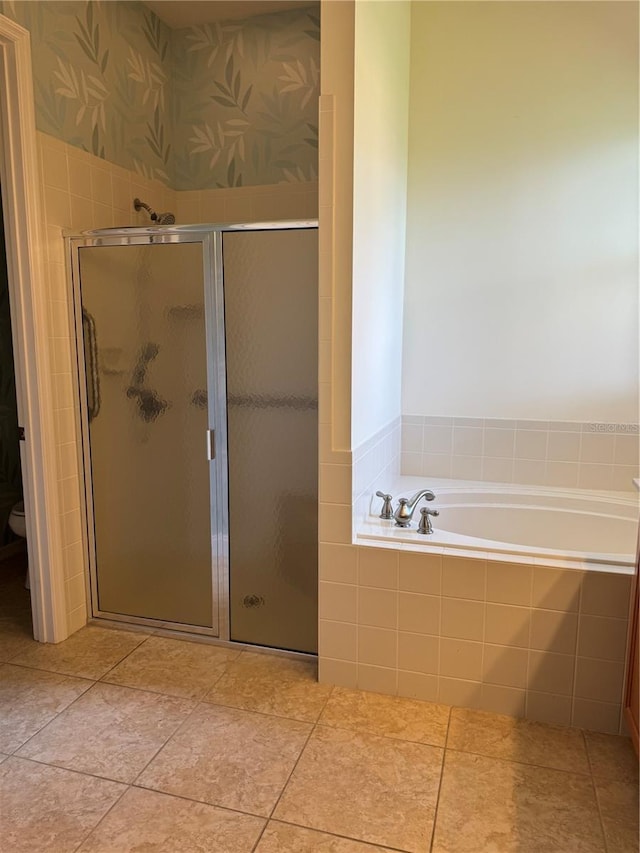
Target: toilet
x=18 y=525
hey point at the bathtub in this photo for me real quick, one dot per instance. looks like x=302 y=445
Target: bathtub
x=544 y=525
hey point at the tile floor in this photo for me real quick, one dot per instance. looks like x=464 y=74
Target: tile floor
x=117 y=741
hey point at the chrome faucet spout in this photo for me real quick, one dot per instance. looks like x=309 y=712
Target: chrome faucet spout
x=406 y=507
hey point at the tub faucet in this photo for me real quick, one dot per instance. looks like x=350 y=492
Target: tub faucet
x=406 y=507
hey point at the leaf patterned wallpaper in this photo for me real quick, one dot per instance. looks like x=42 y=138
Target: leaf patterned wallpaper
x=246 y=101
x=227 y=104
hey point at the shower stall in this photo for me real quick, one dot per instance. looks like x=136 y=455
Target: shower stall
x=197 y=365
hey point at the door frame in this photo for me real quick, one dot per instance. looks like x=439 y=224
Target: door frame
x=28 y=297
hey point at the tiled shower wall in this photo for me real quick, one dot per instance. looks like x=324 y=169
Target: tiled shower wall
x=79 y=192
x=547 y=453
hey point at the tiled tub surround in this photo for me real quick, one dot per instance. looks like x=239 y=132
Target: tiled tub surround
x=511 y=636
x=591 y=455
x=376 y=463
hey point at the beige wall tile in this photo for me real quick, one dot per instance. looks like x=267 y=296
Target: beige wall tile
x=563 y=446
x=599 y=679
x=606 y=595
x=502 y=700
x=556 y=589
x=466 y=467
x=596 y=716
x=550 y=673
x=419 y=613
x=627 y=450
x=622 y=477
x=597 y=447
x=436 y=465
x=377 y=607
x=417 y=685
x=57 y=207
x=509 y=583
x=462 y=578
x=554 y=631
x=339 y=672
x=438 y=439
x=505 y=665
x=81 y=213
x=594 y=476
x=507 y=626
x=531 y=444
x=378 y=567
x=412 y=438
x=377 y=679
x=548 y=708
x=338 y=602
x=454 y=691
x=497 y=470
x=461 y=659
x=562 y=474
x=462 y=619
x=101 y=186
x=54 y=167
x=499 y=443
x=420 y=573
x=377 y=646
x=334 y=523
x=338 y=563
x=602 y=637
x=335 y=483
x=80 y=177
x=337 y=640
x=418 y=653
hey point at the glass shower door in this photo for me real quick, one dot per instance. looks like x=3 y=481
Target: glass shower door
x=271 y=298
x=144 y=332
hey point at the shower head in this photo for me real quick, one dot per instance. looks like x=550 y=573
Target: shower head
x=165 y=219
x=158 y=218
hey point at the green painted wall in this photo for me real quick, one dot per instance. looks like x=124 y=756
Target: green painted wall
x=229 y=104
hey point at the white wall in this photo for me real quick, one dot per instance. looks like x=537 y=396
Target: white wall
x=522 y=231
x=382 y=31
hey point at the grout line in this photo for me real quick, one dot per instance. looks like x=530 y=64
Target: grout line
x=352 y=838
x=108 y=812
x=580 y=773
x=444 y=754
x=595 y=791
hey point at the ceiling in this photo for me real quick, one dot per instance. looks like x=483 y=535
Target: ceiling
x=187 y=13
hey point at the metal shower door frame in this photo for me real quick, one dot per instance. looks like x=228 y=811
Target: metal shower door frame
x=217 y=421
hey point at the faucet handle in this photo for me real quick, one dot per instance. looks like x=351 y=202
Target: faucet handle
x=425 y=527
x=387 y=509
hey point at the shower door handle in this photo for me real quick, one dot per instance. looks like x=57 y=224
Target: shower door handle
x=211 y=444
x=91 y=368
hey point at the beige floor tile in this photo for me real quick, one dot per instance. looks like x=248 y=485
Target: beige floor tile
x=612 y=757
x=89 y=653
x=228 y=757
x=29 y=699
x=365 y=787
x=149 y=821
x=16 y=637
x=111 y=731
x=174 y=667
x=389 y=716
x=496 y=806
x=271 y=684
x=618 y=801
x=517 y=740
x=49 y=810
x=285 y=838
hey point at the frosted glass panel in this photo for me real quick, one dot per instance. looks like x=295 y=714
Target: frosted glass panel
x=146 y=366
x=270 y=287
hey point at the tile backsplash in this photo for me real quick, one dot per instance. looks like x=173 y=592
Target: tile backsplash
x=585 y=455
